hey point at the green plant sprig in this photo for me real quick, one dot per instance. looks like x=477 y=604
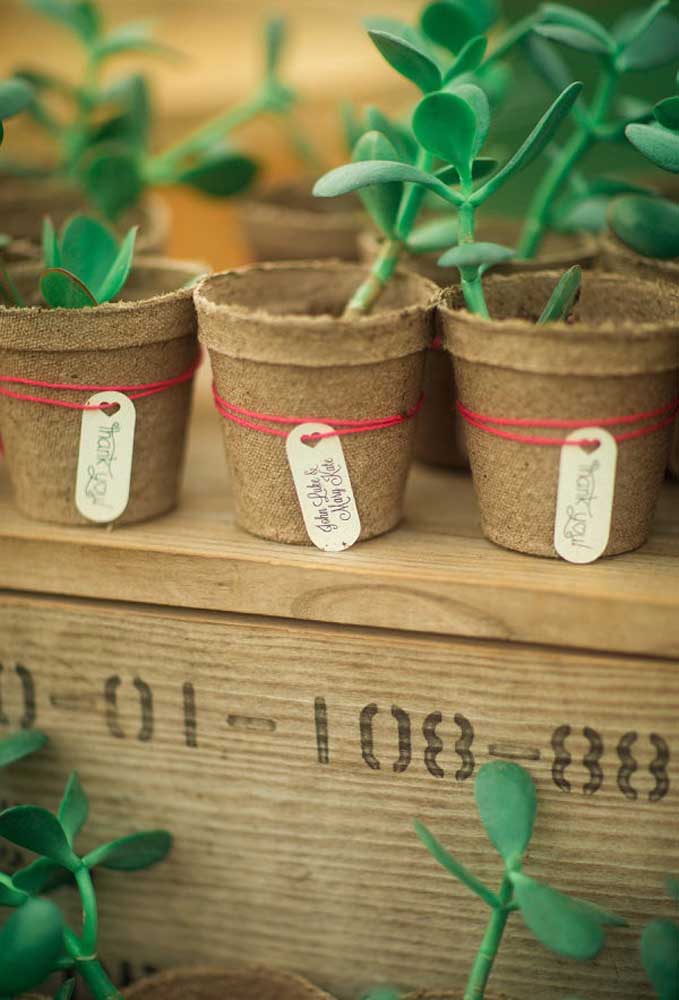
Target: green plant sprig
x=507 y=804
x=639 y=41
x=660 y=951
x=36 y=941
x=21 y=744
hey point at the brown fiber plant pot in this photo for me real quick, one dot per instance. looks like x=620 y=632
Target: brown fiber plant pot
x=205 y=982
x=278 y=346
x=440 y=439
x=288 y=223
x=24 y=203
x=618 y=357
x=151 y=336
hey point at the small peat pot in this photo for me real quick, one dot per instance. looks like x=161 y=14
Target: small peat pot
x=122 y=464
x=282 y=356
x=440 y=438
x=206 y=982
x=24 y=203
x=525 y=389
x=289 y=223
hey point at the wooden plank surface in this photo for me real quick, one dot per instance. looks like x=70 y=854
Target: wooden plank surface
x=434 y=574
x=306 y=859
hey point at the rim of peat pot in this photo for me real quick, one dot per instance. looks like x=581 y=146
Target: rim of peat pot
x=207 y=982
x=150 y=337
x=611 y=361
x=281 y=350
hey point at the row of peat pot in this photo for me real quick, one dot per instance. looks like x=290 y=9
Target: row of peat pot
x=382 y=388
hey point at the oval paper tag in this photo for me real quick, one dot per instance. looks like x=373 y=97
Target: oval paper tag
x=105 y=458
x=323 y=488
x=584 y=503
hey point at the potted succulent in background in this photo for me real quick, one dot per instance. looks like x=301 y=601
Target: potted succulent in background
x=94 y=393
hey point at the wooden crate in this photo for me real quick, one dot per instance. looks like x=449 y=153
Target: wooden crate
x=287 y=713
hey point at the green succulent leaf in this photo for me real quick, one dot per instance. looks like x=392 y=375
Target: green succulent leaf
x=274 y=42
x=450 y=24
x=51 y=254
x=41 y=876
x=505 y=792
x=15 y=96
x=660 y=957
x=20 y=745
x=476 y=255
x=547 y=61
x=469 y=59
x=63 y=290
x=648 y=225
x=446 y=125
x=587 y=211
x=571 y=37
x=221 y=176
x=577 y=20
x=79 y=16
x=400 y=29
x=10 y=895
x=355 y=176
x=66 y=990
x=131 y=126
x=478 y=101
x=74 y=808
x=113 y=180
x=382 y=201
x=408 y=60
x=400 y=137
x=667 y=113
x=637 y=23
x=453 y=866
x=87 y=249
x=120 y=268
x=656 y=46
x=40 y=831
x=563 y=298
x=560 y=923
x=433 y=235
x=352 y=126
x=481 y=167
x=131 y=853
x=657 y=144
x=540 y=137
x=31 y=944
x=133 y=37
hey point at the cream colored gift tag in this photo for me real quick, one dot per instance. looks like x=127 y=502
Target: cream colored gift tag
x=105 y=458
x=323 y=488
x=584 y=503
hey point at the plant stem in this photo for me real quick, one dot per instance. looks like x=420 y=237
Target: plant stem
x=90 y=917
x=90 y=968
x=511 y=38
x=384 y=265
x=472 y=284
x=580 y=143
x=490 y=945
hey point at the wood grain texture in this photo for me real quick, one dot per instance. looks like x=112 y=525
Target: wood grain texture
x=313 y=866
x=434 y=574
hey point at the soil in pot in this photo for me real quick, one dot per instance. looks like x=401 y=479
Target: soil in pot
x=288 y=223
x=149 y=337
x=24 y=203
x=440 y=437
x=204 y=982
x=279 y=347
x=618 y=358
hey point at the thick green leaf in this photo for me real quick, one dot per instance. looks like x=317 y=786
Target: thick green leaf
x=582 y=214
x=660 y=957
x=74 y=808
x=221 y=176
x=78 y=16
x=656 y=47
x=470 y=58
x=453 y=866
x=449 y=23
x=10 y=895
x=129 y=127
x=637 y=23
x=563 y=298
x=274 y=40
x=31 y=944
x=120 y=268
x=478 y=101
x=477 y=255
x=571 y=37
x=445 y=124
x=649 y=226
x=352 y=127
x=560 y=923
x=505 y=792
x=436 y=234
x=400 y=29
x=400 y=137
x=62 y=290
x=15 y=96
x=135 y=37
x=382 y=201
x=667 y=113
x=40 y=831
x=51 y=254
x=20 y=745
x=131 y=853
x=354 y=176
x=113 y=180
x=41 y=876
x=657 y=144
x=547 y=62
x=87 y=250
x=569 y=17
x=408 y=60
x=540 y=137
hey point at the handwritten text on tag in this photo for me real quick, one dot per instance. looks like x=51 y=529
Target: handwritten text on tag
x=323 y=488
x=586 y=489
x=105 y=458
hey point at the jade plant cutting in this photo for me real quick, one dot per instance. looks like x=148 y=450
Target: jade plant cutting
x=83 y=266
x=36 y=940
x=102 y=141
x=20 y=744
x=507 y=803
